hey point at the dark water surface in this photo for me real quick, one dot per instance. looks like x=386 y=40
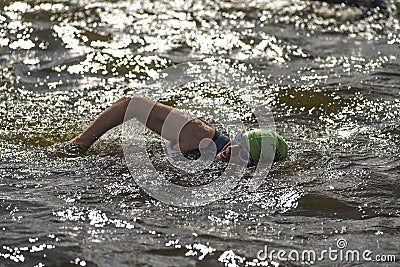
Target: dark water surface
x=329 y=72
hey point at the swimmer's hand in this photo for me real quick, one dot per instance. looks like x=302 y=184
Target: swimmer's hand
x=68 y=149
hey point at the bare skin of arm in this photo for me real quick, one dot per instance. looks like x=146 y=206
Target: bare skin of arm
x=161 y=119
x=154 y=116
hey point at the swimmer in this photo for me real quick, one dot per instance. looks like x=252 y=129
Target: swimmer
x=244 y=148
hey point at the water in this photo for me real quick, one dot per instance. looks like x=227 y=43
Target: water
x=329 y=72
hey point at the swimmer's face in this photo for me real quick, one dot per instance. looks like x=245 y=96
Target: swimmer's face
x=231 y=152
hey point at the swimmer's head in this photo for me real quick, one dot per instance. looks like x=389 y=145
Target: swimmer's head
x=265 y=145
x=255 y=146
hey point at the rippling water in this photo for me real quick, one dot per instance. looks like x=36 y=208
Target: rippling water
x=329 y=72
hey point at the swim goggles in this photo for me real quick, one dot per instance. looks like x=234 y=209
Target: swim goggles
x=244 y=154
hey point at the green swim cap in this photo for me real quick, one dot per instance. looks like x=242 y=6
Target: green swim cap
x=272 y=144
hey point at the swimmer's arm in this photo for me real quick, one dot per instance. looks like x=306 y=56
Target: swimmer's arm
x=153 y=115
x=109 y=118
